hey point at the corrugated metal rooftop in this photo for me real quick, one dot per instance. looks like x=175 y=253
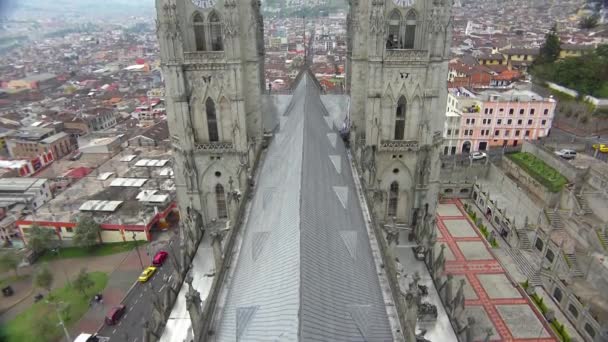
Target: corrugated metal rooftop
x=305 y=271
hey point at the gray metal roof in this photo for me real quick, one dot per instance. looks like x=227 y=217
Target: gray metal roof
x=305 y=271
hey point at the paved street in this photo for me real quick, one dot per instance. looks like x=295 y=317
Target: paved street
x=138 y=301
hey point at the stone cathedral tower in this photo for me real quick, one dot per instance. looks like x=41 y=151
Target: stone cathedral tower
x=212 y=63
x=397 y=72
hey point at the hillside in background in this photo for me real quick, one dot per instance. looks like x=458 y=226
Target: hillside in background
x=76 y=7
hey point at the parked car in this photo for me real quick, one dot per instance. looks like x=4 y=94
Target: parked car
x=115 y=313
x=159 y=258
x=147 y=274
x=566 y=153
x=601 y=147
x=478 y=155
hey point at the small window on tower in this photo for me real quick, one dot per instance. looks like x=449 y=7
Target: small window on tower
x=199 y=32
x=215 y=32
x=410 y=30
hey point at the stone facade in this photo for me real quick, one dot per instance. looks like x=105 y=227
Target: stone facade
x=212 y=62
x=396 y=71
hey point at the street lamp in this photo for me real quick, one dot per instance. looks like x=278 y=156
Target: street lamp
x=137 y=249
x=65 y=330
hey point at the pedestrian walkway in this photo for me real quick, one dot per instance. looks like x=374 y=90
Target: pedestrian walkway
x=491 y=297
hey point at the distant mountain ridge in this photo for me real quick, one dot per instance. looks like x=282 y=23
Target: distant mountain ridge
x=131 y=7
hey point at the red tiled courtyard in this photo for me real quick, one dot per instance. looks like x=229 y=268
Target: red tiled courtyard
x=491 y=297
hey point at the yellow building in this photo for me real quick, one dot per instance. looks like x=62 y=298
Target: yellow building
x=570 y=50
x=520 y=58
x=491 y=59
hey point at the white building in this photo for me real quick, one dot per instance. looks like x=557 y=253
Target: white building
x=34 y=191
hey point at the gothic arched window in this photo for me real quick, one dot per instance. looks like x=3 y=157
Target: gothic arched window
x=400 y=119
x=199 y=32
x=215 y=32
x=220 y=200
x=212 y=120
x=410 y=30
x=395 y=39
x=393 y=199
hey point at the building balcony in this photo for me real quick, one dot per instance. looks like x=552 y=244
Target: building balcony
x=402 y=56
x=399 y=145
x=202 y=57
x=215 y=147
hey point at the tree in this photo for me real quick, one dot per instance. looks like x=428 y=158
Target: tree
x=83 y=282
x=549 y=51
x=43 y=324
x=39 y=239
x=602 y=50
x=589 y=22
x=10 y=261
x=44 y=278
x=87 y=232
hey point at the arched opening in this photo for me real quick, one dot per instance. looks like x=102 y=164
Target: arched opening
x=211 y=120
x=410 y=30
x=589 y=330
x=220 y=200
x=215 y=32
x=539 y=244
x=199 y=32
x=466 y=147
x=550 y=256
x=395 y=40
x=573 y=310
x=393 y=199
x=400 y=119
x=558 y=295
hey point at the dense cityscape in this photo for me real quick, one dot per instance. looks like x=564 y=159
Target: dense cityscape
x=163 y=178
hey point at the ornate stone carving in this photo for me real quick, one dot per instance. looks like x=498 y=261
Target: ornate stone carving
x=190 y=173
x=231 y=23
x=399 y=145
x=203 y=57
x=376 y=17
x=216 y=147
x=406 y=56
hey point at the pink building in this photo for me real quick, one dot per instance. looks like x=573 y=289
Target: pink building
x=491 y=119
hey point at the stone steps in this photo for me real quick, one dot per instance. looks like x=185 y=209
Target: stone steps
x=524 y=241
x=575 y=271
x=584 y=205
x=524 y=266
x=555 y=220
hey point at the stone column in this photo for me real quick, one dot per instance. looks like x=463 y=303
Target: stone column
x=194 y=306
x=469 y=329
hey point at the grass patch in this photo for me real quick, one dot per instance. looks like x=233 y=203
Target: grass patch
x=561 y=95
x=539 y=170
x=99 y=250
x=21 y=328
x=483 y=229
x=558 y=328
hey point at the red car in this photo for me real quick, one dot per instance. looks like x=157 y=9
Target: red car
x=159 y=258
x=114 y=315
